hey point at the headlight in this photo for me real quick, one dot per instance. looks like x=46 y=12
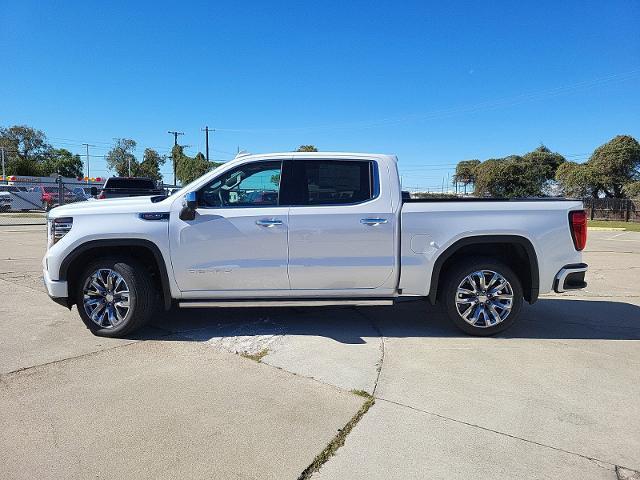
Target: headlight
x=58 y=228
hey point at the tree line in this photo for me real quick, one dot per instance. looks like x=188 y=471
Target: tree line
x=28 y=152
x=612 y=170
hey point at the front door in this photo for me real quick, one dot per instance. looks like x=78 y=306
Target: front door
x=238 y=240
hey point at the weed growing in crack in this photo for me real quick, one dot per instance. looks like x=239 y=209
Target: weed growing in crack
x=256 y=357
x=338 y=441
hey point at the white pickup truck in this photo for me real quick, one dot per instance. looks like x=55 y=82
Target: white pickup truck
x=310 y=229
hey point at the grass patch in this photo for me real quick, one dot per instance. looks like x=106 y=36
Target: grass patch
x=338 y=441
x=23 y=215
x=361 y=393
x=629 y=226
x=256 y=357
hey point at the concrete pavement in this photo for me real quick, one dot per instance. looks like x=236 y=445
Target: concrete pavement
x=171 y=409
x=399 y=442
x=553 y=396
x=77 y=406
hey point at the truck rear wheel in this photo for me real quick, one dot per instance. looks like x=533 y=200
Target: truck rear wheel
x=482 y=296
x=115 y=296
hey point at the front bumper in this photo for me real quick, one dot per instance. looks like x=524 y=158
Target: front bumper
x=57 y=289
x=570 y=277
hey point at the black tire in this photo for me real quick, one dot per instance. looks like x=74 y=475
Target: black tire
x=142 y=295
x=458 y=273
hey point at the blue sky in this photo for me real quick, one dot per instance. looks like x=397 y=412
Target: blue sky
x=433 y=82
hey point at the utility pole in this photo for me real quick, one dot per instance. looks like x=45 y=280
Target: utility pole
x=88 y=171
x=206 y=136
x=3 y=172
x=175 y=144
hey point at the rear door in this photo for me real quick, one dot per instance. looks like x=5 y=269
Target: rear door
x=341 y=229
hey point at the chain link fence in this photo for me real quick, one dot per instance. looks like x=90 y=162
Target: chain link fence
x=27 y=202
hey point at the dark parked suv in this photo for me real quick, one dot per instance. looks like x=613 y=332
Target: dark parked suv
x=129 y=187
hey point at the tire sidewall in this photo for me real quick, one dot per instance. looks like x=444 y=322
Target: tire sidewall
x=126 y=270
x=464 y=268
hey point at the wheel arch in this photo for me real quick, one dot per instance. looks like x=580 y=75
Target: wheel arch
x=517 y=251
x=141 y=249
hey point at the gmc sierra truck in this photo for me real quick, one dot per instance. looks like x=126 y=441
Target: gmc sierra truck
x=310 y=229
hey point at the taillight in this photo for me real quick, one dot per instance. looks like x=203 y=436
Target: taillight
x=101 y=196
x=578 y=226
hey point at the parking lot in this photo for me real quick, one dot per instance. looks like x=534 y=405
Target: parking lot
x=556 y=396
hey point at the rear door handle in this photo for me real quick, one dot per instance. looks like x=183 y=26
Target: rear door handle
x=268 y=222
x=373 y=221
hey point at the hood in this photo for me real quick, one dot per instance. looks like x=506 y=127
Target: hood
x=111 y=205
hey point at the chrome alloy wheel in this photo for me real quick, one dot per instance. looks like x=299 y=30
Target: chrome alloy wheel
x=484 y=298
x=106 y=298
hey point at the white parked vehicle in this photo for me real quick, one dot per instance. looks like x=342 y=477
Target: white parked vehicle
x=20 y=198
x=310 y=229
x=5 y=201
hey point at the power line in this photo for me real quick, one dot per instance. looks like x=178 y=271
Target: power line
x=448 y=112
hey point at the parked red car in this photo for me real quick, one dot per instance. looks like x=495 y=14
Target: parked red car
x=50 y=196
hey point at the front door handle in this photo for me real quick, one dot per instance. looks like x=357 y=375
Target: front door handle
x=373 y=221
x=268 y=222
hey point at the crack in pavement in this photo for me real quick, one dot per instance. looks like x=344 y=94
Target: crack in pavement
x=601 y=463
x=4 y=376
x=133 y=341
x=382 y=347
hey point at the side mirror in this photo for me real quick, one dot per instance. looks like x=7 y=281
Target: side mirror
x=188 y=211
x=94 y=191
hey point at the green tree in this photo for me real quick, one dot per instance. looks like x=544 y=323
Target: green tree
x=62 y=162
x=510 y=177
x=577 y=180
x=615 y=164
x=307 y=148
x=150 y=165
x=632 y=189
x=611 y=171
x=530 y=175
x=465 y=173
x=121 y=158
x=25 y=149
x=547 y=159
x=189 y=168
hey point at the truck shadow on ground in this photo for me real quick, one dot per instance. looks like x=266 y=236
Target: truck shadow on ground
x=547 y=319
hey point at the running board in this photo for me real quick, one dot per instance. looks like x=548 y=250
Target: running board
x=284 y=303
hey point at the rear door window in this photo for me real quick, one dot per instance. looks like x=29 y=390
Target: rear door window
x=329 y=182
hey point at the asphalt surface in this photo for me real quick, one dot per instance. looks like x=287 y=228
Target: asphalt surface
x=556 y=396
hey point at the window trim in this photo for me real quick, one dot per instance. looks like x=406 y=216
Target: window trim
x=227 y=207
x=374 y=175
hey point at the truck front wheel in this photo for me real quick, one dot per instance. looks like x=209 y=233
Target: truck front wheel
x=482 y=296
x=115 y=296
